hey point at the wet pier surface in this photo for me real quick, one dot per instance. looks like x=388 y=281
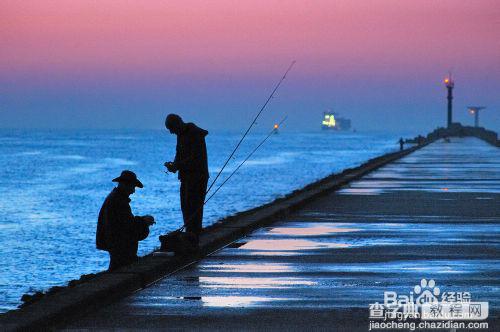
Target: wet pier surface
x=431 y=215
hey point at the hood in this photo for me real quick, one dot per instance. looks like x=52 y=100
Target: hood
x=195 y=129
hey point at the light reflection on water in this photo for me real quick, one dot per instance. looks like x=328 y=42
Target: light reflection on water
x=311 y=238
x=289 y=245
x=247 y=268
x=234 y=301
x=237 y=301
x=315 y=230
x=253 y=282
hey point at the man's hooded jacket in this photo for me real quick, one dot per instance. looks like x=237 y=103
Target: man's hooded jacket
x=191 y=153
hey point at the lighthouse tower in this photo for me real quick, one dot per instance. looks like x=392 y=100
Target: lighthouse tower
x=450 y=84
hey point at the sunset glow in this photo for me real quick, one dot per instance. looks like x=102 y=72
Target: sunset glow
x=112 y=54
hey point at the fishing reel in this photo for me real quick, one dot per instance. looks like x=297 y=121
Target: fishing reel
x=180 y=243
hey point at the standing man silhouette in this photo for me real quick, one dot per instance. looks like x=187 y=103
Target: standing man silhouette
x=191 y=163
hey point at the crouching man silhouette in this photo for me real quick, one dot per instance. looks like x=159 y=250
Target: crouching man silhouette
x=118 y=230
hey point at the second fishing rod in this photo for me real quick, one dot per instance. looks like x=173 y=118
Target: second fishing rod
x=191 y=217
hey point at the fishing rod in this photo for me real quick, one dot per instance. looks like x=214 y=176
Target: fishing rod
x=274 y=130
x=251 y=125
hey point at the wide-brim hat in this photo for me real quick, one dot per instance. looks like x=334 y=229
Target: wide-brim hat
x=129 y=177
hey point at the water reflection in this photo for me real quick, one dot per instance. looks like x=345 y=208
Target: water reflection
x=206 y=301
x=254 y=283
x=360 y=191
x=290 y=245
x=236 y=301
x=248 y=268
x=309 y=231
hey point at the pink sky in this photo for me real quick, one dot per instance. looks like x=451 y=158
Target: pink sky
x=350 y=40
x=163 y=35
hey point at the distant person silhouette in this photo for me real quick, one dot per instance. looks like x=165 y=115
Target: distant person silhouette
x=401 y=144
x=191 y=163
x=118 y=230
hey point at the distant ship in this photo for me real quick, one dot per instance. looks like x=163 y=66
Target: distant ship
x=331 y=121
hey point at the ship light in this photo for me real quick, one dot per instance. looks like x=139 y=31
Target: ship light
x=329 y=120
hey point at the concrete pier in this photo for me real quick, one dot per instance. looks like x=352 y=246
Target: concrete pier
x=433 y=214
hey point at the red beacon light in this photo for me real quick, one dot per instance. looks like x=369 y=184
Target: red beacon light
x=448 y=81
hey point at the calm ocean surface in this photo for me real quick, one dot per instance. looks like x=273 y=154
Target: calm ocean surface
x=53 y=183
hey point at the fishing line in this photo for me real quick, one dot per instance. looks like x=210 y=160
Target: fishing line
x=246 y=159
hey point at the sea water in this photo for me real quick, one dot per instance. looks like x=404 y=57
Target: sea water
x=53 y=183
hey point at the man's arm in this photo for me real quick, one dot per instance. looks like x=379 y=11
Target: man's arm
x=172 y=165
x=132 y=227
